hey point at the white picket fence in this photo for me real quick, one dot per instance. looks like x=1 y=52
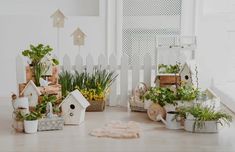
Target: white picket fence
x=128 y=75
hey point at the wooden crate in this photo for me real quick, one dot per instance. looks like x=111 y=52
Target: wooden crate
x=167 y=80
x=53 y=78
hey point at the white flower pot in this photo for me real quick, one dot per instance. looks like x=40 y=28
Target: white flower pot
x=206 y=126
x=30 y=127
x=147 y=104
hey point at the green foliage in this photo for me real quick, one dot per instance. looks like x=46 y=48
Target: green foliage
x=202 y=114
x=93 y=86
x=39 y=70
x=163 y=68
x=36 y=53
x=162 y=96
x=32 y=116
x=41 y=108
x=187 y=93
x=66 y=81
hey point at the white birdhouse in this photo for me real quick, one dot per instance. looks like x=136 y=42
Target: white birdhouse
x=58 y=19
x=74 y=107
x=32 y=92
x=78 y=37
x=188 y=75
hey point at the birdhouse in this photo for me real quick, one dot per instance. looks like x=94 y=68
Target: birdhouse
x=187 y=75
x=74 y=107
x=58 y=19
x=32 y=92
x=78 y=37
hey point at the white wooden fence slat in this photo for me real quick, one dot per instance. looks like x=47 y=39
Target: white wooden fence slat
x=20 y=70
x=67 y=63
x=89 y=63
x=124 y=81
x=147 y=69
x=113 y=89
x=135 y=71
x=79 y=63
x=102 y=62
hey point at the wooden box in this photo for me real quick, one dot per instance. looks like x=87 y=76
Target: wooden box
x=53 y=78
x=167 y=80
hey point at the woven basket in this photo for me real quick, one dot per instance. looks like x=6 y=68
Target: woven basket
x=96 y=106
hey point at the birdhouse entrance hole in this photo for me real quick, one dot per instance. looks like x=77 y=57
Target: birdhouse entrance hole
x=186 y=77
x=72 y=106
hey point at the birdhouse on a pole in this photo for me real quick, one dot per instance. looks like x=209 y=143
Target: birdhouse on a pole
x=58 y=19
x=78 y=37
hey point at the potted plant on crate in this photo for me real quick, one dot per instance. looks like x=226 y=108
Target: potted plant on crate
x=38 y=67
x=31 y=122
x=203 y=119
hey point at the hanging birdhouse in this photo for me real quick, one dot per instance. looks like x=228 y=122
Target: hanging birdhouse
x=58 y=19
x=78 y=37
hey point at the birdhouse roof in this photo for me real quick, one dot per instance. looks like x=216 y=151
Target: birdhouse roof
x=188 y=64
x=78 y=31
x=58 y=13
x=78 y=97
x=34 y=87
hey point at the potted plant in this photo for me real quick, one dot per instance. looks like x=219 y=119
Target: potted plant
x=169 y=69
x=66 y=80
x=41 y=108
x=37 y=67
x=31 y=122
x=186 y=95
x=158 y=95
x=203 y=119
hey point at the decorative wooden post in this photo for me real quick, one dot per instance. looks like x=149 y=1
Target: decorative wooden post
x=58 y=22
x=78 y=38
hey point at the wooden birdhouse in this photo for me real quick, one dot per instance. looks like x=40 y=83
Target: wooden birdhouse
x=78 y=37
x=188 y=75
x=58 y=19
x=32 y=92
x=74 y=107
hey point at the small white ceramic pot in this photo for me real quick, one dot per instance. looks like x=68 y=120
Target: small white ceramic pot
x=147 y=104
x=30 y=127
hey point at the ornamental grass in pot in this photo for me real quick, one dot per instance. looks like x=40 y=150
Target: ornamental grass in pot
x=203 y=119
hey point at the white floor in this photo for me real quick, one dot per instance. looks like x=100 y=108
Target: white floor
x=154 y=136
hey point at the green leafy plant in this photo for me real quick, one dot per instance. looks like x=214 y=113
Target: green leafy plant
x=66 y=81
x=94 y=86
x=39 y=70
x=36 y=53
x=163 y=68
x=159 y=95
x=32 y=116
x=41 y=108
x=202 y=114
x=187 y=93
